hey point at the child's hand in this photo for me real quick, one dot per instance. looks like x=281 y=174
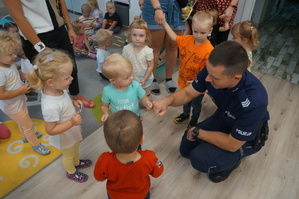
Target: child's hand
x=148 y=104
x=76 y=119
x=25 y=89
x=78 y=104
x=142 y=82
x=104 y=117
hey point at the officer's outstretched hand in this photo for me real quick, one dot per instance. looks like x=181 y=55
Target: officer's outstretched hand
x=160 y=107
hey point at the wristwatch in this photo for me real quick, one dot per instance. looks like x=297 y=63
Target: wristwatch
x=40 y=46
x=195 y=133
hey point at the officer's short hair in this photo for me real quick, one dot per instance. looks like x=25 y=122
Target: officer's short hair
x=232 y=56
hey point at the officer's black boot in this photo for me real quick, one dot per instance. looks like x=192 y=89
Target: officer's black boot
x=222 y=175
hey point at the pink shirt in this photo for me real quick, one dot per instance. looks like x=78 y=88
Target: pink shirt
x=79 y=41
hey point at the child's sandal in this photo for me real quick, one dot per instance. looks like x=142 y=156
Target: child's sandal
x=41 y=149
x=77 y=176
x=84 y=164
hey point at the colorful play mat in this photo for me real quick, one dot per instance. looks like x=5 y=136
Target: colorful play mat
x=18 y=162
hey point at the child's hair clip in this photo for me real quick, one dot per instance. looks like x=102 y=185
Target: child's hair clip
x=49 y=58
x=35 y=67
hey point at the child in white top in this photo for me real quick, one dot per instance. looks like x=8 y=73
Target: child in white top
x=246 y=33
x=104 y=40
x=52 y=75
x=141 y=56
x=12 y=92
x=96 y=13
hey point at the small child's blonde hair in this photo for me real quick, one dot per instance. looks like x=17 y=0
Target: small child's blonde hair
x=103 y=36
x=49 y=63
x=203 y=17
x=247 y=30
x=114 y=64
x=94 y=3
x=140 y=24
x=77 y=24
x=9 y=42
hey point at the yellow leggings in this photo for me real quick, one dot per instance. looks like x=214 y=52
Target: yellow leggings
x=70 y=158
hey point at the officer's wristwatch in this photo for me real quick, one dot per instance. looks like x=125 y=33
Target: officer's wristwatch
x=195 y=133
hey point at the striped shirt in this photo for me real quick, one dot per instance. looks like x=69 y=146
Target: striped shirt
x=89 y=22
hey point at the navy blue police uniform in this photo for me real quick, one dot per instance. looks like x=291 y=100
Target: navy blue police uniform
x=241 y=111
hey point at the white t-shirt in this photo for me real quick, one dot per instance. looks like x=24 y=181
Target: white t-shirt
x=10 y=79
x=37 y=14
x=138 y=59
x=60 y=109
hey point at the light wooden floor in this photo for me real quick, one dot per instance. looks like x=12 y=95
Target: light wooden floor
x=272 y=173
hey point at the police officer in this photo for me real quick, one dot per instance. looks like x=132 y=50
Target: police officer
x=217 y=144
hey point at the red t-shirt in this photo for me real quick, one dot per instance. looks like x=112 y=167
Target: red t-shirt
x=128 y=181
x=193 y=58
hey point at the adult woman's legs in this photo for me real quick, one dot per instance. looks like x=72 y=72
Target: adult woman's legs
x=171 y=53
x=157 y=41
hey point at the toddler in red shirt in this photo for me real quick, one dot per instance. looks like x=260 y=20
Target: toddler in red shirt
x=126 y=169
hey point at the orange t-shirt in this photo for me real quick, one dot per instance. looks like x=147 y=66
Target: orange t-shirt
x=128 y=181
x=193 y=58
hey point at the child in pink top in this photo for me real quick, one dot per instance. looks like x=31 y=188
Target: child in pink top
x=82 y=46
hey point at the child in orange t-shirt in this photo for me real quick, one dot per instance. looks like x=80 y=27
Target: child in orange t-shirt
x=126 y=169
x=194 y=51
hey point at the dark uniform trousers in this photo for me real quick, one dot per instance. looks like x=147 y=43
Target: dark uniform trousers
x=208 y=158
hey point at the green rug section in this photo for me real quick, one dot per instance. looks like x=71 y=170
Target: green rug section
x=96 y=111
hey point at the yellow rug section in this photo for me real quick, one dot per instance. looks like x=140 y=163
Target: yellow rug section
x=18 y=161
